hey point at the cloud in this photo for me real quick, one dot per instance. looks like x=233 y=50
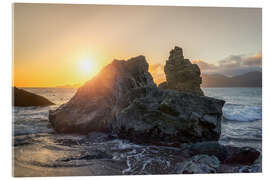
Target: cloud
x=254 y=60
x=231 y=66
x=231 y=62
x=204 y=66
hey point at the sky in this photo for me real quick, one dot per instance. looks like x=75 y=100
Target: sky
x=57 y=44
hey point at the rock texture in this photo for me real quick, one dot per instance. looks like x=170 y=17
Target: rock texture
x=123 y=99
x=199 y=164
x=167 y=117
x=181 y=74
x=24 y=98
x=226 y=154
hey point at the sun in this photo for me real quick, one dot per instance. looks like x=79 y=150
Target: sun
x=86 y=67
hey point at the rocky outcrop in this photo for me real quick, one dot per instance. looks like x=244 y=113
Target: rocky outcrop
x=181 y=74
x=97 y=103
x=24 y=98
x=123 y=99
x=167 y=117
x=199 y=164
x=212 y=157
x=226 y=154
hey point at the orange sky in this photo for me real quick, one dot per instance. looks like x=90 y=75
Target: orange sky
x=51 y=40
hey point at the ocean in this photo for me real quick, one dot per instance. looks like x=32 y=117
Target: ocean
x=39 y=151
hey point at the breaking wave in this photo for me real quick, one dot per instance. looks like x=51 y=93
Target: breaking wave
x=243 y=113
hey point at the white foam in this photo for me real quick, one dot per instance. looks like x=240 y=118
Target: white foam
x=242 y=112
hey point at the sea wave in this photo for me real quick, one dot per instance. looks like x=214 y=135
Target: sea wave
x=243 y=113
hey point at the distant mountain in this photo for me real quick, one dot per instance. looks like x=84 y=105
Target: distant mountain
x=69 y=86
x=250 y=79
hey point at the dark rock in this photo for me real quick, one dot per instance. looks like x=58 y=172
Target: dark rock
x=97 y=137
x=93 y=155
x=254 y=168
x=226 y=154
x=181 y=74
x=244 y=155
x=168 y=117
x=163 y=85
x=199 y=164
x=123 y=99
x=24 y=98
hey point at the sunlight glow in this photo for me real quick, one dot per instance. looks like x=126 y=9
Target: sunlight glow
x=87 y=67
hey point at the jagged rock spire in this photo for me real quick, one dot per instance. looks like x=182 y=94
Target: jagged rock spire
x=181 y=74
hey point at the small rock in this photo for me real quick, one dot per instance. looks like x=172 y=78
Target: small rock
x=226 y=154
x=97 y=137
x=199 y=164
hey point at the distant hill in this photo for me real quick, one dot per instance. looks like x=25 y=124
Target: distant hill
x=250 y=79
x=25 y=98
x=69 y=86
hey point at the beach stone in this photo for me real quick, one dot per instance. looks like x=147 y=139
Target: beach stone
x=25 y=98
x=254 y=168
x=181 y=74
x=123 y=99
x=97 y=137
x=199 y=164
x=243 y=155
x=225 y=153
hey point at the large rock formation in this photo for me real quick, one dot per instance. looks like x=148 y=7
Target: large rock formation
x=97 y=103
x=24 y=98
x=123 y=99
x=181 y=74
x=167 y=117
